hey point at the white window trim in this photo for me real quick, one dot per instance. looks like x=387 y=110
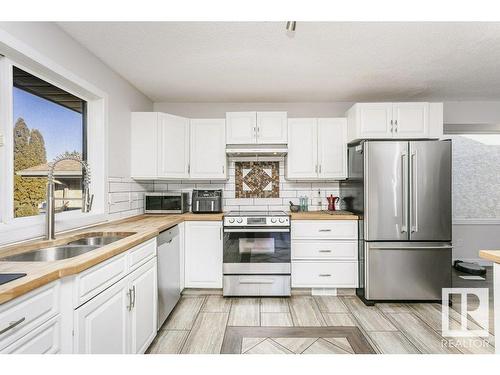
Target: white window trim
x=23 y=56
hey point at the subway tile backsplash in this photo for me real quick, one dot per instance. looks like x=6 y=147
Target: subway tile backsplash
x=126 y=196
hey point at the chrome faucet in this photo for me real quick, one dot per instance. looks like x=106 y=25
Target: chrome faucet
x=87 y=198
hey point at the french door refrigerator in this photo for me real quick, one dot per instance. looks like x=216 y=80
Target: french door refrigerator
x=402 y=192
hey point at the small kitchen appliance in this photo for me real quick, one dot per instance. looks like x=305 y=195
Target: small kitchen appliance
x=206 y=201
x=166 y=202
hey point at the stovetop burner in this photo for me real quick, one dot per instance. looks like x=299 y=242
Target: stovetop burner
x=256 y=213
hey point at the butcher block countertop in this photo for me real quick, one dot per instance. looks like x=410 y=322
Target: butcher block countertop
x=493 y=255
x=323 y=215
x=140 y=229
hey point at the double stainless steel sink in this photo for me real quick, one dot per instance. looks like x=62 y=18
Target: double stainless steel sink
x=69 y=250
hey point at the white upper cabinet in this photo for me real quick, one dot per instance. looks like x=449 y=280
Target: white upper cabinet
x=208 y=149
x=410 y=119
x=332 y=148
x=395 y=121
x=256 y=128
x=302 y=158
x=272 y=127
x=165 y=146
x=317 y=149
x=173 y=146
x=241 y=128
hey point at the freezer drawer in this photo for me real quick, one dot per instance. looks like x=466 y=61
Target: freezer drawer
x=407 y=271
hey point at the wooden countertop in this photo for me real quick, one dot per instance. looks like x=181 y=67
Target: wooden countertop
x=141 y=228
x=493 y=255
x=323 y=215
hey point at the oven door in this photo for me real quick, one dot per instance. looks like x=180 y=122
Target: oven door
x=257 y=250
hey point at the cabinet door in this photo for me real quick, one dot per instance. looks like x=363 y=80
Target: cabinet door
x=144 y=145
x=411 y=120
x=272 y=127
x=102 y=324
x=302 y=158
x=375 y=120
x=173 y=146
x=208 y=149
x=203 y=254
x=241 y=127
x=45 y=339
x=143 y=317
x=332 y=148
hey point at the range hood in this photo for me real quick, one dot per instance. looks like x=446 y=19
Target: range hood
x=256 y=150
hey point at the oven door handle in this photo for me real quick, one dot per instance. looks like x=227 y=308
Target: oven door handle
x=256 y=230
x=257 y=281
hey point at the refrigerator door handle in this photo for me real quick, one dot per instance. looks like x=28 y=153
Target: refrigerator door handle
x=404 y=224
x=414 y=192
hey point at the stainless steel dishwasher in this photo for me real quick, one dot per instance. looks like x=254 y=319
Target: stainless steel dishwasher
x=168 y=273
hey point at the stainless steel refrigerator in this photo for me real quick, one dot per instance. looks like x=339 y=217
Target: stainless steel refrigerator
x=402 y=192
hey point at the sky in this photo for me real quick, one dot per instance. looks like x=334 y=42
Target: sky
x=61 y=127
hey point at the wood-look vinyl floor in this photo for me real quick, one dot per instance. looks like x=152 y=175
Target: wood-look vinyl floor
x=305 y=324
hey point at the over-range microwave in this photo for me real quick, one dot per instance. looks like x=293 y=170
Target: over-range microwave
x=167 y=202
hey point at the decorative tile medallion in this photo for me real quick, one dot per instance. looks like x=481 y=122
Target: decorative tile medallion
x=257 y=179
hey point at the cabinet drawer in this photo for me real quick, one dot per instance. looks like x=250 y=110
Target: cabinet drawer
x=256 y=285
x=28 y=312
x=93 y=281
x=325 y=229
x=140 y=254
x=45 y=339
x=325 y=274
x=343 y=250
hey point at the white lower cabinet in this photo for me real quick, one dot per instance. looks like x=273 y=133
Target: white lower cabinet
x=102 y=324
x=143 y=313
x=324 y=254
x=123 y=318
x=203 y=254
x=45 y=339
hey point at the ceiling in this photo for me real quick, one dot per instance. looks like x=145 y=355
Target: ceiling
x=322 y=61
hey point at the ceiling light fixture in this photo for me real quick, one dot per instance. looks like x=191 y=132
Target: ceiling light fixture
x=290 y=26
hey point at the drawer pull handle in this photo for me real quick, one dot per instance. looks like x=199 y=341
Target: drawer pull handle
x=325 y=251
x=256 y=281
x=12 y=325
x=325 y=275
x=325 y=230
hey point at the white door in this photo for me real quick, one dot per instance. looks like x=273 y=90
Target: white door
x=272 y=127
x=173 y=146
x=375 y=120
x=144 y=152
x=332 y=148
x=411 y=120
x=208 y=149
x=144 y=313
x=302 y=158
x=241 y=127
x=203 y=254
x=102 y=324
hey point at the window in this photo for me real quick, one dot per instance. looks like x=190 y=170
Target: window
x=476 y=162
x=48 y=122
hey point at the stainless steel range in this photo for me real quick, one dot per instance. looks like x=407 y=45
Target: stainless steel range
x=257 y=253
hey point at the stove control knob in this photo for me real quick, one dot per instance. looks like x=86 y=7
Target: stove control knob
x=231 y=220
x=273 y=220
x=282 y=220
x=239 y=220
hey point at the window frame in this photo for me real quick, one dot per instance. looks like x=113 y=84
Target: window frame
x=24 y=228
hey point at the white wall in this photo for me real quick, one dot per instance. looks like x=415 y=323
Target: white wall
x=51 y=41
